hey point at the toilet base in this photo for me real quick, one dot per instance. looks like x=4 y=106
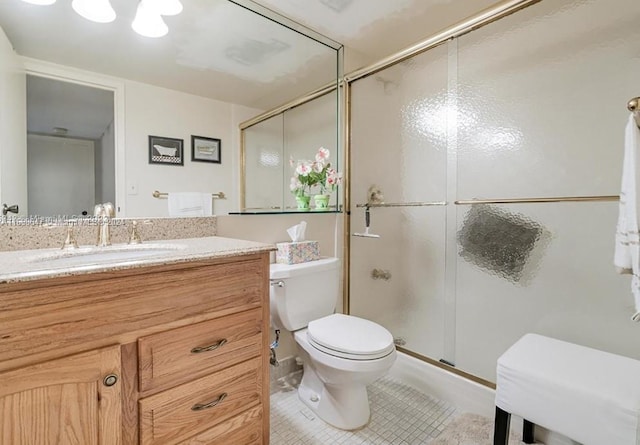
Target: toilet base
x=344 y=407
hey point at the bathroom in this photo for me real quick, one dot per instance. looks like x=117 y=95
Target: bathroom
x=541 y=92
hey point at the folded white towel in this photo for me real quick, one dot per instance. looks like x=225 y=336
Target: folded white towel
x=190 y=204
x=627 y=246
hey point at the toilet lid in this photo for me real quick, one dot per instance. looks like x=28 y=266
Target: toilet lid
x=350 y=337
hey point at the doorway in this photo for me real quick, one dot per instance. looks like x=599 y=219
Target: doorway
x=70 y=147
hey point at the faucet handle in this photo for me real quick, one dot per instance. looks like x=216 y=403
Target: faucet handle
x=6 y=209
x=134 y=237
x=70 y=241
x=109 y=210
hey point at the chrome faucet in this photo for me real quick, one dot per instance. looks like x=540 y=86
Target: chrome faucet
x=104 y=213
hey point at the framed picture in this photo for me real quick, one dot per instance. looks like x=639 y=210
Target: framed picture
x=166 y=151
x=205 y=149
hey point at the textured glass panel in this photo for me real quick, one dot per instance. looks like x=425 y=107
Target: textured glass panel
x=399 y=141
x=264 y=164
x=542 y=97
x=571 y=290
x=399 y=130
x=499 y=241
x=411 y=249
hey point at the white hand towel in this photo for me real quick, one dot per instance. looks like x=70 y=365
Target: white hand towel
x=627 y=246
x=190 y=204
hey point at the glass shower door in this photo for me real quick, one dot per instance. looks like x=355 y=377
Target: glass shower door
x=399 y=145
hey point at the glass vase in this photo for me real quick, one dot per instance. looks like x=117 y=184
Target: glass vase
x=322 y=202
x=303 y=202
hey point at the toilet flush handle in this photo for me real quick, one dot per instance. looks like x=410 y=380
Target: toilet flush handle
x=277 y=283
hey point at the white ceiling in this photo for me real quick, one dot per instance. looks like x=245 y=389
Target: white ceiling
x=217 y=49
x=373 y=29
x=214 y=49
x=83 y=111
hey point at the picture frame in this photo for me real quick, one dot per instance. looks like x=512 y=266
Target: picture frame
x=167 y=151
x=204 y=149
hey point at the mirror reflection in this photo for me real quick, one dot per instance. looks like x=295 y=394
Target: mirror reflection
x=275 y=147
x=70 y=147
x=220 y=64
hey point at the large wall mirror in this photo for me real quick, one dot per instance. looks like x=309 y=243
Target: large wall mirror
x=273 y=146
x=81 y=99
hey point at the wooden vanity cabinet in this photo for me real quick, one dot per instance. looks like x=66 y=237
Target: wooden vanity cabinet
x=69 y=401
x=162 y=355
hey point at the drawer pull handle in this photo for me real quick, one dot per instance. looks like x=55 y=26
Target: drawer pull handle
x=212 y=347
x=200 y=406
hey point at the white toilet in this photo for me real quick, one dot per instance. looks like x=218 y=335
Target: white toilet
x=342 y=354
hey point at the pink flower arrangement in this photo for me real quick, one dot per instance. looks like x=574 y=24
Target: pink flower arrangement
x=318 y=172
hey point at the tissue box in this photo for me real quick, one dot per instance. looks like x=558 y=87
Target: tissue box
x=297 y=252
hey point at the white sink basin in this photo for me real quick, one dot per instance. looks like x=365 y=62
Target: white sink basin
x=104 y=255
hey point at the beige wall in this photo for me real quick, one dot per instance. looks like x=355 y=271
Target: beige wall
x=158 y=111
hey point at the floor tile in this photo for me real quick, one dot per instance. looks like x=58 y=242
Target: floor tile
x=400 y=415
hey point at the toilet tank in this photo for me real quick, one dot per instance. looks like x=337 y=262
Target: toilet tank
x=303 y=292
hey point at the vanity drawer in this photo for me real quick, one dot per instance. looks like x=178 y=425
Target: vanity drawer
x=243 y=429
x=173 y=357
x=114 y=307
x=173 y=416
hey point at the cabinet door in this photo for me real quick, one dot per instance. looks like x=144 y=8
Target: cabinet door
x=66 y=401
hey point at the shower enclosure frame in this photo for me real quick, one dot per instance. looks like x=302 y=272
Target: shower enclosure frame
x=461 y=28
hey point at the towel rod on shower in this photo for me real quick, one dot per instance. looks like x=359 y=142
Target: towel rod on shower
x=219 y=195
x=404 y=204
x=535 y=200
x=634 y=106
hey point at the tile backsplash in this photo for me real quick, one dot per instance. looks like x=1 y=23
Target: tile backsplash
x=21 y=234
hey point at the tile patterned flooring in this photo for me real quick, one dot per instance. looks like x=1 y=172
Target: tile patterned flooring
x=400 y=415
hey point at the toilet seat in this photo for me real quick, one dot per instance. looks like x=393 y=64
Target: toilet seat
x=350 y=337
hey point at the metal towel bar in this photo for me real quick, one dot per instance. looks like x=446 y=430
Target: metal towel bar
x=536 y=200
x=159 y=195
x=404 y=204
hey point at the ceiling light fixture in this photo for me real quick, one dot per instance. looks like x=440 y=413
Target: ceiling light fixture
x=95 y=10
x=148 y=21
x=40 y=2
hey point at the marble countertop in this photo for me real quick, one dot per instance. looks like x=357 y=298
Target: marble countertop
x=25 y=265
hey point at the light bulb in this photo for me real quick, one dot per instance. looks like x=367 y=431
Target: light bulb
x=164 y=7
x=40 y=2
x=95 y=10
x=148 y=22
